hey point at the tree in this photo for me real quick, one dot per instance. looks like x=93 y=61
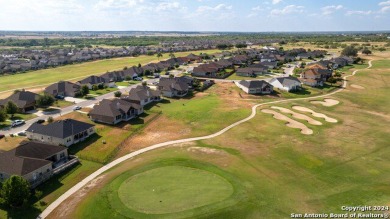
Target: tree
x=171 y=76
x=139 y=65
x=349 y=51
x=118 y=94
x=366 y=51
x=159 y=55
x=172 y=55
x=15 y=191
x=84 y=90
x=50 y=119
x=332 y=80
x=100 y=86
x=95 y=87
x=3 y=115
x=241 y=45
x=45 y=100
x=11 y=108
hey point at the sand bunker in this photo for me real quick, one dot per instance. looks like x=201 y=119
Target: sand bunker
x=315 y=114
x=290 y=122
x=326 y=102
x=357 y=86
x=297 y=115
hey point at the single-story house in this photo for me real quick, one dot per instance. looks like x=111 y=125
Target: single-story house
x=286 y=83
x=95 y=80
x=25 y=100
x=143 y=95
x=255 y=87
x=64 y=132
x=63 y=88
x=173 y=87
x=34 y=161
x=270 y=65
x=114 y=111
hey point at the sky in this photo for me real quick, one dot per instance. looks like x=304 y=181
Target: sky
x=195 y=15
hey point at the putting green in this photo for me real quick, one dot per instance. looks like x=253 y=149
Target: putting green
x=172 y=189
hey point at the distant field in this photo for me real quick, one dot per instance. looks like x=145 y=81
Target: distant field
x=75 y=72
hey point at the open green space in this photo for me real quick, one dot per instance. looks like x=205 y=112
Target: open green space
x=75 y=72
x=169 y=188
x=278 y=170
x=173 y=189
x=103 y=91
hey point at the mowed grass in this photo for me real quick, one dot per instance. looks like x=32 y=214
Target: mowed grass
x=74 y=72
x=173 y=189
x=204 y=115
x=282 y=171
x=102 y=146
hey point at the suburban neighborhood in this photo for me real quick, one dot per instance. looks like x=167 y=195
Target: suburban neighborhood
x=140 y=109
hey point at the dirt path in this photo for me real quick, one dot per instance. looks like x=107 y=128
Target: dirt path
x=326 y=102
x=98 y=172
x=315 y=114
x=298 y=115
x=290 y=122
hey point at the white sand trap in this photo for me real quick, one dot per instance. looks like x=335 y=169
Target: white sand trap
x=290 y=122
x=298 y=115
x=326 y=102
x=315 y=114
x=357 y=86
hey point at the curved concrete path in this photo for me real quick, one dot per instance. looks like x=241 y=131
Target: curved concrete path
x=106 y=167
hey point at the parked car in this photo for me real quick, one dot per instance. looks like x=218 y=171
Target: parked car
x=17 y=123
x=23 y=133
x=40 y=121
x=77 y=108
x=60 y=97
x=2 y=136
x=138 y=79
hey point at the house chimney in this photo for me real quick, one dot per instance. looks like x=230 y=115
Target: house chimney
x=118 y=105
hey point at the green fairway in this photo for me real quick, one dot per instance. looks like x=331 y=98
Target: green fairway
x=173 y=189
x=75 y=72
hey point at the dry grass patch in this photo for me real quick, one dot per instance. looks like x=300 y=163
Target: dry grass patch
x=357 y=86
x=9 y=143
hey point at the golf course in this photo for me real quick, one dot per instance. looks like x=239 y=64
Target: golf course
x=261 y=168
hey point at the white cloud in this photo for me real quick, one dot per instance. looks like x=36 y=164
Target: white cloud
x=384 y=3
x=116 y=4
x=258 y=8
x=290 y=9
x=359 y=12
x=220 y=7
x=385 y=9
x=276 y=1
x=327 y=10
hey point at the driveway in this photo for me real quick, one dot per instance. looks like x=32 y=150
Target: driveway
x=74 y=100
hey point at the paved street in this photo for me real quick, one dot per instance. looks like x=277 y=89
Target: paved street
x=65 y=110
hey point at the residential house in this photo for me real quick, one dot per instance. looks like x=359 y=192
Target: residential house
x=173 y=87
x=270 y=65
x=63 y=88
x=34 y=161
x=194 y=58
x=286 y=83
x=142 y=95
x=255 y=87
x=95 y=80
x=64 y=132
x=312 y=77
x=114 y=111
x=25 y=100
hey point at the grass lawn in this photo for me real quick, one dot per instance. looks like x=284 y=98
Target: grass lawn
x=78 y=71
x=102 y=91
x=103 y=146
x=62 y=103
x=170 y=188
x=9 y=143
x=280 y=171
x=52 y=189
x=127 y=83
